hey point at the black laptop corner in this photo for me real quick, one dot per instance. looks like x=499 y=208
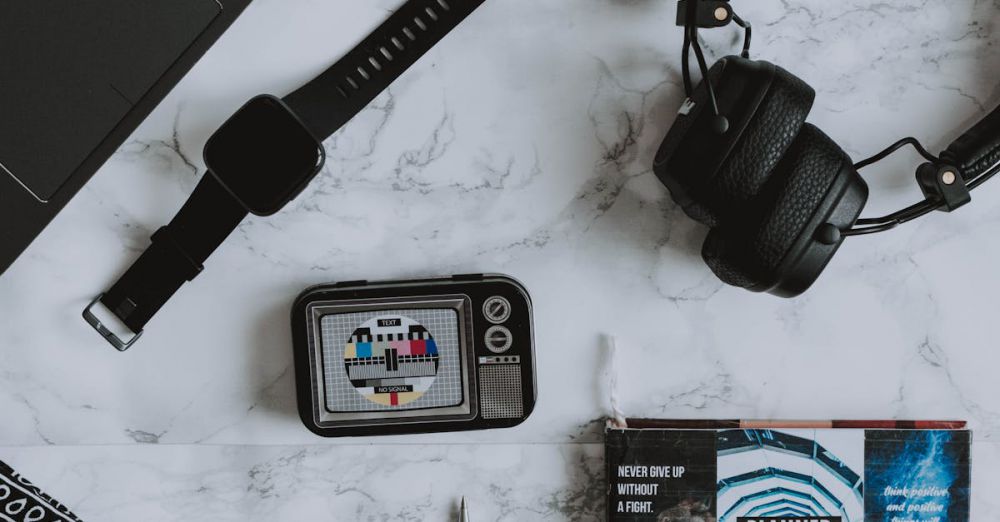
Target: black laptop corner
x=77 y=78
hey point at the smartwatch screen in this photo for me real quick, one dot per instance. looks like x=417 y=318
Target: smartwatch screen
x=264 y=155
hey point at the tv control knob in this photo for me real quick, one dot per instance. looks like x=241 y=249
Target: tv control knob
x=498 y=339
x=496 y=309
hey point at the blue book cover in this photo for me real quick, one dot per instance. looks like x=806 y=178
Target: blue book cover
x=917 y=475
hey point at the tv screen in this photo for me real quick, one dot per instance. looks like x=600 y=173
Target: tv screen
x=392 y=360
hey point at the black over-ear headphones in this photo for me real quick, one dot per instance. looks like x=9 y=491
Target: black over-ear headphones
x=779 y=195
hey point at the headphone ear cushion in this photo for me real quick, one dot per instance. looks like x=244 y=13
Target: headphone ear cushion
x=711 y=175
x=750 y=250
x=717 y=251
x=765 y=140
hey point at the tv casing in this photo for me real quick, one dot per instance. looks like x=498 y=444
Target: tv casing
x=478 y=288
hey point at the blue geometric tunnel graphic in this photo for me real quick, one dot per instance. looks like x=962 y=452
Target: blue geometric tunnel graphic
x=803 y=501
x=769 y=473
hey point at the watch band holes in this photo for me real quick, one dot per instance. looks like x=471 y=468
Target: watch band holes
x=396 y=42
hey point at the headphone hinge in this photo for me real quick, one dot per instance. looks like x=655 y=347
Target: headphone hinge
x=944 y=184
x=709 y=14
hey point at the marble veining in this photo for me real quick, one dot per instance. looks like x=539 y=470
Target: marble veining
x=523 y=144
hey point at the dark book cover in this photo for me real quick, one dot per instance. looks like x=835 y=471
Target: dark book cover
x=661 y=475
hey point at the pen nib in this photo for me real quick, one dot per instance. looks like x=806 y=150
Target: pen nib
x=464 y=515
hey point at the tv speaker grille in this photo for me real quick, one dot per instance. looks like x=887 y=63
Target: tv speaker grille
x=500 y=391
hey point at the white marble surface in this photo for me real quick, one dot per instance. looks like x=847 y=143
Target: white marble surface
x=522 y=145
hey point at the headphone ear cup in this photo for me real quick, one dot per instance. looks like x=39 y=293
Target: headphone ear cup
x=728 y=266
x=764 y=249
x=766 y=139
x=711 y=175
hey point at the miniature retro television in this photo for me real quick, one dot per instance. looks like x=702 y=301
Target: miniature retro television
x=414 y=356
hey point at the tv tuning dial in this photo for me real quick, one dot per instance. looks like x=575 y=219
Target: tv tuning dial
x=498 y=339
x=497 y=309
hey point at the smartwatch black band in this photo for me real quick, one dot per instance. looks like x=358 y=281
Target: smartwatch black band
x=176 y=255
x=362 y=74
x=221 y=201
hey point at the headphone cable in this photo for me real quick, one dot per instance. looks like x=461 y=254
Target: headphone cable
x=866 y=226
x=721 y=123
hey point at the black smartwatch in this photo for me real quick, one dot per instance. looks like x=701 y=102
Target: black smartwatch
x=266 y=154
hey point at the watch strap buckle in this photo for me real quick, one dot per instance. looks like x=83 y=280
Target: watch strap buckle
x=109 y=336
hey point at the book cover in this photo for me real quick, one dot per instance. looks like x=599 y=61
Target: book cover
x=788 y=474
